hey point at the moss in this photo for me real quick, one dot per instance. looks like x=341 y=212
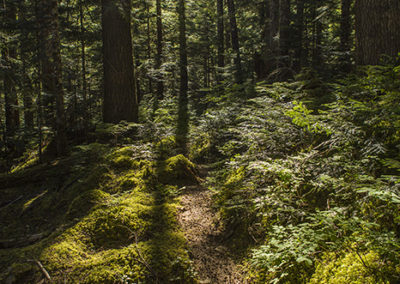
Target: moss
x=179 y=170
x=85 y=201
x=348 y=268
x=167 y=147
x=114 y=222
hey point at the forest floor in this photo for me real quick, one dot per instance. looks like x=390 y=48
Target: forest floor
x=212 y=259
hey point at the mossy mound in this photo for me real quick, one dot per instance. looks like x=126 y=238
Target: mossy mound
x=106 y=219
x=352 y=267
x=178 y=170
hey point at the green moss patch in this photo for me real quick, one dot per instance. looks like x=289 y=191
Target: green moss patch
x=178 y=170
x=112 y=221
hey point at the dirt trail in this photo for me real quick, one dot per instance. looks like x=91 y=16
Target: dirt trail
x=211 y=258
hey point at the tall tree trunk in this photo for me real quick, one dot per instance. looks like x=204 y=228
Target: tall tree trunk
x=220 y=38
x=299 y=24
x=38 y=85
x=160 y=83
x=149 y=46
x=262 y=60
x=274 y=27
x=183 y=116
x=27 y=84
x=317 y=38
x=51 y=69
x=377 y=30
x=266 y=22
x=284 y=30
x=235 y=41
x=120 y=98
x=10 y=93
x=86 y=114
x=345 y=34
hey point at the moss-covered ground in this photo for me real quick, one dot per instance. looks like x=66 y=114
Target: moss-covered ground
x=104 y=214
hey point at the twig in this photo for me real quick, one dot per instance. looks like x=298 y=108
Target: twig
x=43 y=270
x=40 y=265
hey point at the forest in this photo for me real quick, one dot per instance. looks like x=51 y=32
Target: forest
x=200 y=141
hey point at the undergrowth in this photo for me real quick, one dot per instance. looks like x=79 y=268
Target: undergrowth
x=104 y=214
x=306 y=177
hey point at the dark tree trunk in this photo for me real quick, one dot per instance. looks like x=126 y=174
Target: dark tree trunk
x=86 y=114
x=160 y=83
x=10 y=93
x=51 y=70
x=120 y=98
x=149 y=46
x=299 y=24
x=220 y=32
x=262 y=60
x=274 y=27
x=345 y=35
x=284 y=30
x=266 y=22
x=377 y=30
x=235 y=41
x=183 y=116
x=27 y=84
x=317 y=38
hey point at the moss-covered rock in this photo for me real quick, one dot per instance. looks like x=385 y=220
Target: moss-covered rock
x=178 y=170
x=352 y=267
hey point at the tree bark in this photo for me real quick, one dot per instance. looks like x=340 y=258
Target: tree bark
x=274 y=27
x=299 y=25
x=183 y=116
x=317 y=38
x=160 y=82
x=235 y=41
x=51 y=70
x=377 y=30
x=345 y=35
x=27 y=84
x=120 y=98
x=284 y=30
x=149 y=46
x=12 y=120
x=220 y=37
x=86 y=114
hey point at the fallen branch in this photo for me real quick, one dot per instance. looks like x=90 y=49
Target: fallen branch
x=40 y=265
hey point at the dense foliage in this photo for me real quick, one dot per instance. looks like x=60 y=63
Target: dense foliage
x=312 y=187
x=276 y=100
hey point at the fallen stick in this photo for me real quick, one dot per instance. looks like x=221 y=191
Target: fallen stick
x=43 y=269
x=40 y=265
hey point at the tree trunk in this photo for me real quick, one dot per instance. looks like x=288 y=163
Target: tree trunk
x=284 y=30
x=160 y=83
x=149 y=46
x=235 y=41
x=51 y=69
x=274 y=27
x=120 y=98
x=220 y=37
x=10 y=93
x=377 y=30
x=183 y=116
x=317 y=38
x=27 y=84
x=86 y=114
x=299 y=24
x=345 y=35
